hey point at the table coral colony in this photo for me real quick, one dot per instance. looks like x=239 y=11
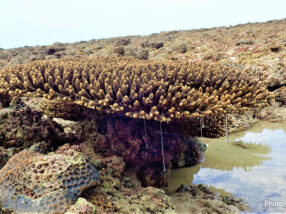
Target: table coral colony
x=178 y=93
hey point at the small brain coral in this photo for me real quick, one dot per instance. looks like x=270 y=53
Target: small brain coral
x=161 y=91
x=31 y=182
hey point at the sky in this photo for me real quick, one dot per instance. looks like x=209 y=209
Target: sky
x=43 y=22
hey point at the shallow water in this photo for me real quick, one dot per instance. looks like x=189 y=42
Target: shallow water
x=252 y=166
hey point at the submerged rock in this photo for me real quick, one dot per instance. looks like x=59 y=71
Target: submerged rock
x=35 y=183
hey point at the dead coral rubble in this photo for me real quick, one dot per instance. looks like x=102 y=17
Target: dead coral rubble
x=165 y=92
x=31 y=182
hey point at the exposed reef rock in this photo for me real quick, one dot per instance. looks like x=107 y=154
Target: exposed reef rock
x=202 y=199
x=173 y=92
x=82 y=206
x=64 y=109
x=22 y=127
x=3 y=156
x=123 y=197
x=145 y=200
x=273 y=113
x=281 y=95
x=31 y=182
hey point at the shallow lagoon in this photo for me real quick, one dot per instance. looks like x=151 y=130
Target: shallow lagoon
x=252 y=166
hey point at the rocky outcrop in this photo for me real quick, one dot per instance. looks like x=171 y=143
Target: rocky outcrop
x=202 y=199
x=22 y=126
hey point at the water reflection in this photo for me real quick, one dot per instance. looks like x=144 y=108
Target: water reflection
x=227 y=156
x=253 y=167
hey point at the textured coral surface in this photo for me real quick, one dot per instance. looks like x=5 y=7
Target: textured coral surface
x=31 y=182
x=165 y=92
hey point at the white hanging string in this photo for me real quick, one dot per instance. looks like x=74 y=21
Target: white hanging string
x=146 y=140
x=226 y=129
x=202 y=124
x=162 y=148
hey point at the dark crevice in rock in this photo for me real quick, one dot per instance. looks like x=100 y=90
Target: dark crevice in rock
x=5 y=100
x=275 y=87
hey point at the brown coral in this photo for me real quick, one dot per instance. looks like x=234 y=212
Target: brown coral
x=31 y=182
x=165 y=92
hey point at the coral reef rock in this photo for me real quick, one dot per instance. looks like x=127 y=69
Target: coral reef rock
x=144 y=200
x=3 y=156
x=82 y=206
x=31 y=182
x=202 y=199
x=21 y=127
x=281 y=95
